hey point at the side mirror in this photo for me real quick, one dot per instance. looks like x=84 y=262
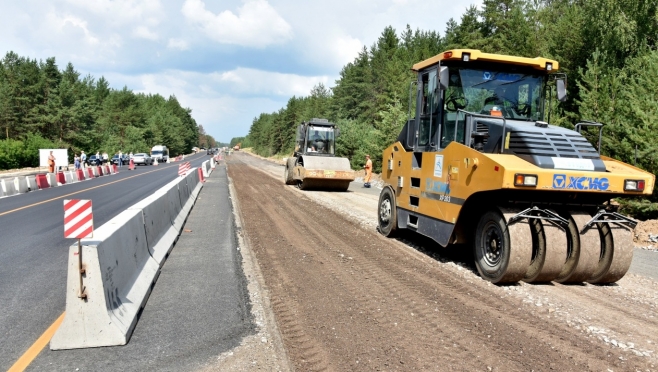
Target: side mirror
x=444 y=78
x=337 y=134
x=561 y=90
x=300 y=130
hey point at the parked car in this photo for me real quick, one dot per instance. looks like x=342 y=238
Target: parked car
x=125 y=159
x=142 y=159
x=94 y=160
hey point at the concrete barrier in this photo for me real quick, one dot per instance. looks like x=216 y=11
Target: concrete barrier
x=52 y=179
x=42 y=181
x=92 y=172
x=68 y=177
x=7 y=187
x=20 y=183
x=80 y=174
x=117 y=281
x=206 y=168
x=32 y=182
x=61 y=178
x=158 y=224
x=121 y=262
x=175 y=205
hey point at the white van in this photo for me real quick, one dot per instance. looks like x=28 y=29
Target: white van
x=161 y=153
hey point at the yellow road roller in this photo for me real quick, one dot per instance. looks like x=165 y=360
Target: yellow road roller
x=314 y=164
x=480 y=165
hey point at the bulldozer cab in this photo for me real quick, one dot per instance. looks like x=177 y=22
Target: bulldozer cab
x=455 y=99
x=317 y=137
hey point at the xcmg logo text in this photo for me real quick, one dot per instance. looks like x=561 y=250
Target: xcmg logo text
x=562 y=181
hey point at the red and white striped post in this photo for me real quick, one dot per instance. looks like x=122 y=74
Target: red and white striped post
x=183 y=168
x=78 y=224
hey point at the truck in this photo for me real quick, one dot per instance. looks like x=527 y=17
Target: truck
x=314 y=164
x=161 y=153
x=480 y=166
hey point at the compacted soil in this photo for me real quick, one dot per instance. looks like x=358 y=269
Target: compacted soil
x=345 y=298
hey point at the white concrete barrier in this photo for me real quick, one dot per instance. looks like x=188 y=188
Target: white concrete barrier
x=7 y=187
x=158 y=224
x=32 y=183
x=205 y=166
x=52 y=180
x=175 y=206
x=212 y=163
x=184 y=192
x=121 y=262
x=20 y=183
x=68 y=176
x=117 y=281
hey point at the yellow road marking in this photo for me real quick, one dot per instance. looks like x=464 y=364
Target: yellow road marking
x=77 y=192
x=36 y=347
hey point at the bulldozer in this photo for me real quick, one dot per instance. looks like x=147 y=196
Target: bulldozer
x=314 y=164
x=479 y=167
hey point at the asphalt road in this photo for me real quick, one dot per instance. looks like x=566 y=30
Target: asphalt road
x=33 y=251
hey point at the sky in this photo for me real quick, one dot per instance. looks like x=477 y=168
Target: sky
x=228 y=61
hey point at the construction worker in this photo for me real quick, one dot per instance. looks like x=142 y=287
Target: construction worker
x=368 y=168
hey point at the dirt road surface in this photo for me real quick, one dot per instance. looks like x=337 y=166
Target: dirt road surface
x=347 y=299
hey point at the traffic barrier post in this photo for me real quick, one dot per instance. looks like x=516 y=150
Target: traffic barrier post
x=131 y=165
x=201 y=171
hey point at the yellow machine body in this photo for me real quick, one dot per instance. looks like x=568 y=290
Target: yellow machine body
x=478 y=165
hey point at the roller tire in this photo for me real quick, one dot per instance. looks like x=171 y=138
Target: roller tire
x=287 y=173
x=583 y=251
x=616 y=254
x=549 y=252
x=387 y=215
x=502 y=253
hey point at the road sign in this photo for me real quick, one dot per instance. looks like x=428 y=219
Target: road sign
x=78 y=219
x=183 y=168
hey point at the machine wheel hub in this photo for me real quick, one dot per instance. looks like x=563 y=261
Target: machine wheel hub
x=493 y=245
x=385 y=211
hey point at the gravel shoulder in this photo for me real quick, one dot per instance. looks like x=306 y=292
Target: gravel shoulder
x=345 y=298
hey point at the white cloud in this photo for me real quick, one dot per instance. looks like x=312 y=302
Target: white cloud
x=147 y=11
x=179 y=44
x=144 y=33
x=68 y=24
x=257 y=23
x=251 y=81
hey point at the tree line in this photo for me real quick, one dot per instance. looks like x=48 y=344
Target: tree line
x=42 y=106
x=606 y=47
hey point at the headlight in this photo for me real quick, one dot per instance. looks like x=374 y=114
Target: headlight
x=525 y=180
x=633 y=185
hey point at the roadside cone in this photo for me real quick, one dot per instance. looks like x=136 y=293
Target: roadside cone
x=131 y=165
x=155 y=161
